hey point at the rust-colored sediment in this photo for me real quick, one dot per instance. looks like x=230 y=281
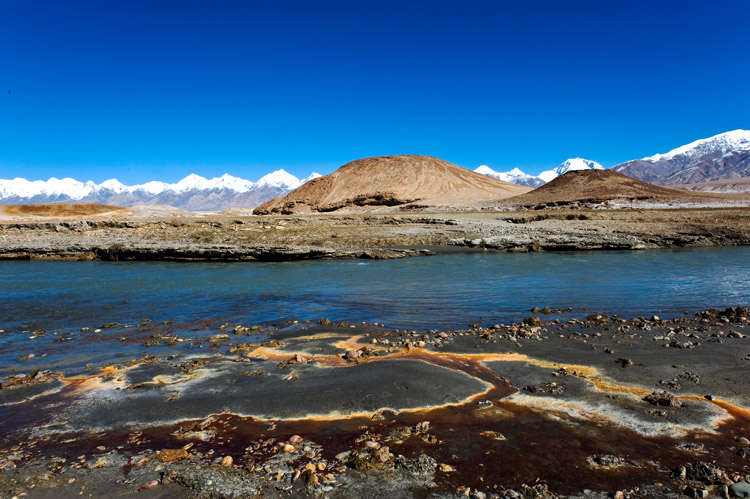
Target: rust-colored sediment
x=497 y=442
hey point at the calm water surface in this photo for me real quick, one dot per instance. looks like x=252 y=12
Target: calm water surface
x=422 y=293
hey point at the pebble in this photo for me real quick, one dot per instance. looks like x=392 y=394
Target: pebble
x=227 y=461
x=353 y=354
x=148 y=485
x=743 y=441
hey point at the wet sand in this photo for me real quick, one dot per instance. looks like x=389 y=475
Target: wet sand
x=597 y=407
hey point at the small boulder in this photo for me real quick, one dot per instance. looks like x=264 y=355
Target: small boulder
x=739 y=489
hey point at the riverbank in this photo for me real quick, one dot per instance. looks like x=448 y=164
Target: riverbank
x=592 y=407
x=149 y=233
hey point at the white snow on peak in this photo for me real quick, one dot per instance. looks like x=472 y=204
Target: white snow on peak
x=281 y=179
x=515 y=176
x=74 y=190
x=312 y=176
x=192 y=182
x=231 y=183
x=154 y=187
x=510 y=176
x=734 y=140
x=113 y=185
x=63 y=187
x=570 y=165
x=486 y=170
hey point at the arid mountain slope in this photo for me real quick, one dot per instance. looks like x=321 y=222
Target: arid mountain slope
x=727 y=185
x=52 y=210
x=599 y=186
x=393 y=181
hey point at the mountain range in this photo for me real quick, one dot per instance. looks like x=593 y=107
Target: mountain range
x=716 y=164
x=720 y=163
x=191 y=193
x=721 y=157
x=516 y=176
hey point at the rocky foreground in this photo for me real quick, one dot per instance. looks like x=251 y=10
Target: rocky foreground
x=597 y=407
x=150 y=234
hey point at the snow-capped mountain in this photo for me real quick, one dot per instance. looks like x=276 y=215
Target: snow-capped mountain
x=569 y=165
x=723 y=156
x=514 y=176
x=192 y=192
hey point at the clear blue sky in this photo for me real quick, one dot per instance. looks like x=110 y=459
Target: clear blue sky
x=154 y=90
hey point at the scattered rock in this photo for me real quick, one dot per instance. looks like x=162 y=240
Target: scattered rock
x=352 y=354
x=550 y=387
x=663 y=398
x=171 y=455
x=625 y=363
x=148 y=485
x=606 y=461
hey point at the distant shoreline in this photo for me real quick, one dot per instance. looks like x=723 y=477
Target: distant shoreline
x=159 y=235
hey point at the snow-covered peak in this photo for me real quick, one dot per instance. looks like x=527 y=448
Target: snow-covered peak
x=113 y=185
x=486 y=170
x=510 y=176
x=73 y=190
x=280 y=179
x=515 y=176
x=734 y=140
x=236 y=184
x=312 y=176
x=66 y=186
x=571 y=164
x=192 y=182
x=154 y=187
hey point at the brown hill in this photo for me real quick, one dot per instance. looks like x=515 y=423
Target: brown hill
x=418 y=181
x=60 y=209
x=589 y=187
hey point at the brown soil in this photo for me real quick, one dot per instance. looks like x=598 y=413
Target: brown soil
x=418 y=181
x=599 y=186
x=61 y=209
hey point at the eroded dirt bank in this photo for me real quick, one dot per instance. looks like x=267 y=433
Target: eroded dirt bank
x=598 y=407
x=150 y=234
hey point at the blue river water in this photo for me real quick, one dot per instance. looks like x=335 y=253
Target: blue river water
x=68 y=316
x=445 y=291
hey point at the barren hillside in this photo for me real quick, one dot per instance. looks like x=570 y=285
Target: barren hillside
x=384 y=181
x=599 y=186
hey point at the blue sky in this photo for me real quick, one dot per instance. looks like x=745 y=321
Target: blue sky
x=155 y=90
